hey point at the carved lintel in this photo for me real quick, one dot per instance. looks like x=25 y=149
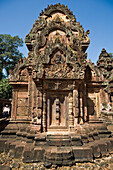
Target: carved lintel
x=58 y=85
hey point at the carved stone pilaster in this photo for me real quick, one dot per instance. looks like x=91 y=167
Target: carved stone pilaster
x=85 y=102
x=16 y=99
x=75 y=106
x=14 y=104
x=29 y=95
x=71 y=118
x=44 y=112
x=39 y=103
x=81 y=104
x=34 y=93
x=75 y=102
x=98 y=104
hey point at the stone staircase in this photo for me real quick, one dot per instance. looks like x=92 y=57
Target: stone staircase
x=89 y=141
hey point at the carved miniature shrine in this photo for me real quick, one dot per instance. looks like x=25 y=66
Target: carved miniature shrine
x=56 y=81
x=57 y=94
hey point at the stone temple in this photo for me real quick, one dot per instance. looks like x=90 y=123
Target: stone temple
x=57 y=94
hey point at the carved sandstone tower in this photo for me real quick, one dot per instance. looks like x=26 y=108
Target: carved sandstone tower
x=51 y=82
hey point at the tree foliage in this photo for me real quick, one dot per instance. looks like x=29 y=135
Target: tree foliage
x=111 y=55
x=5 y=89
x=9 y=53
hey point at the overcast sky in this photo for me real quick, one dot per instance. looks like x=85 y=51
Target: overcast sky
x=17 y=18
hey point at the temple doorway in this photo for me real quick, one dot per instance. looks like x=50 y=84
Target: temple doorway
x=57 y=111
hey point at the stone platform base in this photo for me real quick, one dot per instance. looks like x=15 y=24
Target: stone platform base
x=87 y=142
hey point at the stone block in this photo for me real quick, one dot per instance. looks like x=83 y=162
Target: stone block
x=7 y=146
x=28 y=153
x=38 y=154
x=40 y=137
x=95 y=149
x=82 y=154
x=2 y=143
x=7 y=133
x=104 y=133
x=19 y=150
x=67 y=153
x=40 y=140
x=95 y=136
x=68 y=162
x=12 y=146
x=84 y=139
x=30 y=136
x=59 y=155
x=40 y=143
x=109 y=145
x=59 y=142
x=57 y=136
x=76 y=141
x=103 y=147
x=11 y=126
x=90 y=138
x=29 y=140
x=111 y=141
x=35 y=130
x=57 y=162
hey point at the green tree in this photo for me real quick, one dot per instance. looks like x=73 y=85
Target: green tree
x=9 y=53
x=111 y=55
x=5 y=89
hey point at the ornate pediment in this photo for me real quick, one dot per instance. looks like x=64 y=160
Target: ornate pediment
x=57 y=45
x=19 y=75
x=57 y=22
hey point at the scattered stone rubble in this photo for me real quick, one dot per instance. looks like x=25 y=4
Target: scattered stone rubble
x=8 y=162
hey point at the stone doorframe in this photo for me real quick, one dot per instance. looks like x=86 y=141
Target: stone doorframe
x=57 y=110
x=70 y=112
x=71 y=86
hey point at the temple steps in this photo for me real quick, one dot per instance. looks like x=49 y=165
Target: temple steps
x=62 y=148
x=59 y=155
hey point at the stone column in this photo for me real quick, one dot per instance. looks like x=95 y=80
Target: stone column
x=44 y=112
x=71 y=118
